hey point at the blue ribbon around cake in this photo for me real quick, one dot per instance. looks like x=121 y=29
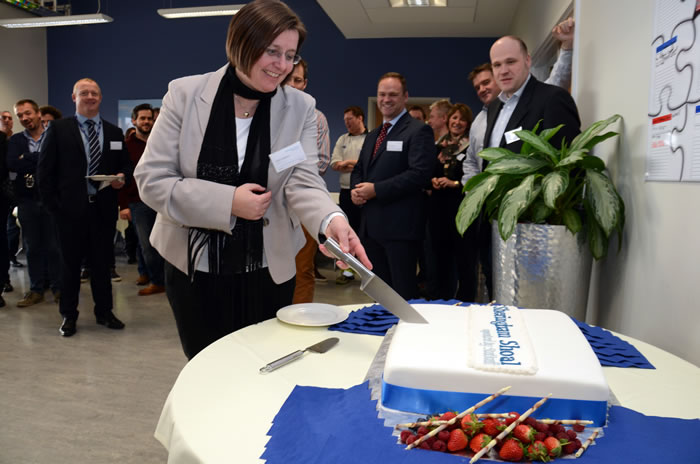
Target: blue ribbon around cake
x=321 y=425
x=610 y=349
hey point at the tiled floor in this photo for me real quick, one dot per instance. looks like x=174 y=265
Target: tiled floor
x=95 y=397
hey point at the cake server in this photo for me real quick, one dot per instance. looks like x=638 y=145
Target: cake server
x=320 y=347
x=375 y=287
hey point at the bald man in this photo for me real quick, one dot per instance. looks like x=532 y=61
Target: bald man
x=85 y=210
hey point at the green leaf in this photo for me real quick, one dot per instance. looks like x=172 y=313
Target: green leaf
x=604 y=200
x=572 y=158
x=583 y=139
x=496 y=153
x=470 y=207
x=554 y=185
x=515 y=166
x=514 y=203
x=597 y=241
x=475 y=180
x=537 y=142
x=592 y=162
x=540 y=212
x=547 y=134
x=599 y=138
x=572 y=220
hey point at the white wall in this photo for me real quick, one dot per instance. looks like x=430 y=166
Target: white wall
x=534 y=20
x=651 y=289
x=23 y=73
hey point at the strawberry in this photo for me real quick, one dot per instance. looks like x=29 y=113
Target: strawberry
x=458 y=440
x=492 y=427
x=511 y=450
x=513 y=417
x=447 y=416
x=480 y=441
x=553 y=446
x=538 y=451
x=524 y=433
x=471 y=425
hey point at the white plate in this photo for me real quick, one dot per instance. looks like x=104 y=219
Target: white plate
x=312 y=314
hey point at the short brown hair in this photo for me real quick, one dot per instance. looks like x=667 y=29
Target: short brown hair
x=52 y=110
x=418 y=108
x=479 y=69
x=27 y=101
x=395 y=75
x=465 y=111
x=253 y=29
x=356 y=111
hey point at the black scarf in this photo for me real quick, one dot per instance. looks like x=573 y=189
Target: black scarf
x=241 y=251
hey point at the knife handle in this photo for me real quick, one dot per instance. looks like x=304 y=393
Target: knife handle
x=282 y=361
x=332 y=246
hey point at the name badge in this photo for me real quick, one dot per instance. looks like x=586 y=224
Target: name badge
x=510 y=135
x=394 y=145
x=461 y=156
x=115 y=145
x=288 y=157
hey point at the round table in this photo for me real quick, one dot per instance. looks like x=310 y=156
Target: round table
x=221 y=406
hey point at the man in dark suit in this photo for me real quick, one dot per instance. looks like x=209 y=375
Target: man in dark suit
x=523 y=102
x=85 y=210
x=395 y=165
x=38 y=227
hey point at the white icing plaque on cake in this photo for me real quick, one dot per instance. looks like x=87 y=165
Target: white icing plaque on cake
x=499 y=340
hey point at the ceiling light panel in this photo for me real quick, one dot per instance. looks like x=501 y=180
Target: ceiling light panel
x=51 y=21
x=199 y=11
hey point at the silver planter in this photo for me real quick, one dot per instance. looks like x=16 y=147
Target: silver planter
x=542 y=266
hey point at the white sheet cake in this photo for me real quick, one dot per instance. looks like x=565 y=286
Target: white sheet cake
x=467 y=353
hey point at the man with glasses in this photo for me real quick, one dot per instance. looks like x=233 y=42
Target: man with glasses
x=306 y=271
x=395 y=165
x=75 y=148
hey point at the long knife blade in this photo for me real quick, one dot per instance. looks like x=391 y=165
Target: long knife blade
x=376 y=288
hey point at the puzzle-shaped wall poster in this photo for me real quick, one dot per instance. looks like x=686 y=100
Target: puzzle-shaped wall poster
x=674 y=95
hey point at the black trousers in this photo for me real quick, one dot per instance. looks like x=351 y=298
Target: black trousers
x=395 y=262
x=351 y=210
x=89 y=237
x=213 y=306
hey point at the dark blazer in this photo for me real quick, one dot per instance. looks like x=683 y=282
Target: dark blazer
x=552 y=104
x=3 y=157
x=63 y=166
x=23 y=162
x=399 y=210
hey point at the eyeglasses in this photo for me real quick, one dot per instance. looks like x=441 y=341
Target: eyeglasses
x=288 y=57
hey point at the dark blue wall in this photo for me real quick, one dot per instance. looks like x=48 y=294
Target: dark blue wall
x=140 y=52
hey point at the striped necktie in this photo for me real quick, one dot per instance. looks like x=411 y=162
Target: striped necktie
x=381 y=137
x=94 y=144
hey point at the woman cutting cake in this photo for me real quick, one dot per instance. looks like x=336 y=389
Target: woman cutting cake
x=230 y=168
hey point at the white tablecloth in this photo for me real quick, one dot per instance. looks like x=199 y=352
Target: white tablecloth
x=221 y=407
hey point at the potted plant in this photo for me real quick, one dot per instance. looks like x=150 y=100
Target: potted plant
x=542 y=184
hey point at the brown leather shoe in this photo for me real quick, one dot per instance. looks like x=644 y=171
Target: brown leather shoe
x=30 y=298
x=152 y=290
x=143 y=280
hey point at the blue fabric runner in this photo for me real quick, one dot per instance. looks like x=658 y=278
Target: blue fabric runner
x=610 y=349
x=320 y=425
